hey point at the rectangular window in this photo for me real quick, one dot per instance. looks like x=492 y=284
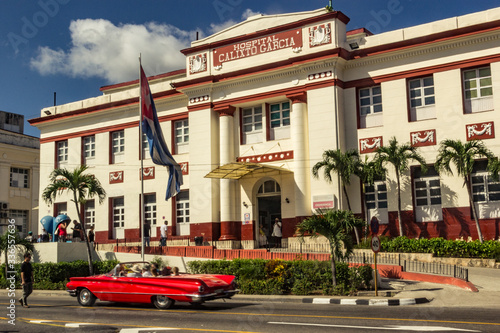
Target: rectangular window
x=370 y=106
x=118 y=213
x=88 y=148
x=150 y=209
x=21 y=221
x=478 y=89
x=182 y=207
x=118 y=146
x=181 y=128
x=19 y=177
x=62 y=153
x=422 y=99
x=427 y=194
x=485 y=191
x=376 y=201
x=60 y=208
x=484 y=188
x=279 y=121
x=251 y=119
x=89 y=214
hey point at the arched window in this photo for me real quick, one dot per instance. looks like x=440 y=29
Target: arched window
x=269 y=187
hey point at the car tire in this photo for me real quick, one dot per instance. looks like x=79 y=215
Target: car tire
x=85 y=297
x=163 y=302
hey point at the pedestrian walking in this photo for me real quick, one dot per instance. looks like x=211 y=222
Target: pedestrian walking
x=163 y=234
x=26 y=280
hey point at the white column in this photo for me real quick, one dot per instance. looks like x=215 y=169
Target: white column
x=227 y=187
x=301 y=169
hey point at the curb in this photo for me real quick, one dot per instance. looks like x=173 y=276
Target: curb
x=375 y=302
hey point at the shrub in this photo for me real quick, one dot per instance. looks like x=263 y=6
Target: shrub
x=275 y=277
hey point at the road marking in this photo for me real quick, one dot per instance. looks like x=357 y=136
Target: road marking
x=76 y=325
x=391 y=328
x=137 y=330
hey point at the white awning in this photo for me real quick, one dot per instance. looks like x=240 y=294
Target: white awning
x=239 y=170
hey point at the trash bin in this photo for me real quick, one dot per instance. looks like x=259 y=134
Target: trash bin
x=198 y=240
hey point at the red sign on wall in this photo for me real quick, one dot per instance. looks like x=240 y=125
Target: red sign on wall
x=279 y=41
x=423 y=138
x=369 y=145
x=480 y=131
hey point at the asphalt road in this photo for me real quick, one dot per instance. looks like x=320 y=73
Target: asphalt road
x=63 y=314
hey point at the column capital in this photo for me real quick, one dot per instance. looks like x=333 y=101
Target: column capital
x=297 y=97
x=225 y=110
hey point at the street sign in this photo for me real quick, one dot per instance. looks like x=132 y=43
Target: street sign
x=375 y=244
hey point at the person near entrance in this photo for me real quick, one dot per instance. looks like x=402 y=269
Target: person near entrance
x=147 y=232
x=163 y=234
x=277 y=233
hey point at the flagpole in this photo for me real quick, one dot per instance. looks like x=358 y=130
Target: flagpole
x=141 y=231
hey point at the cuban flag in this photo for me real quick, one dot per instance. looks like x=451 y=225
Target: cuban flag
x=157 y=146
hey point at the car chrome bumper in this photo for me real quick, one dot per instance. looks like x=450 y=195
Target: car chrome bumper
x=212 y=296
x=72 y=292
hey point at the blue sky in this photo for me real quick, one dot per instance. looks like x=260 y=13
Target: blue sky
x=73 y=47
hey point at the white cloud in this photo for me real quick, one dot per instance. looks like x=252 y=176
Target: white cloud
x=102 y=49
x=214 y=28
x=249 y=13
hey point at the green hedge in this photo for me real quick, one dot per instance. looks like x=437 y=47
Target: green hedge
x=54 y=276
x=298 y=277
x=440 y=247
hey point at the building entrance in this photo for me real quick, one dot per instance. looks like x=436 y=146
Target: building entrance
x=269 y=207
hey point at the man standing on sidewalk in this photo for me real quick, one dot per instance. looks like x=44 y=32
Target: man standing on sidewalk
x=163 y=234
x=26 y=279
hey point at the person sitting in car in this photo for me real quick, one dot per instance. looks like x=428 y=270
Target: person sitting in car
x=146 y=271
x=135 y=271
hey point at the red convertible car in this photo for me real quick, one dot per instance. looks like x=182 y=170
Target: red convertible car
x=125 y=283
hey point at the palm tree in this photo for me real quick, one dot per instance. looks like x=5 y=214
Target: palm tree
x=12 y=240
x=336 y=226
x=82 y=186
x=368 y=172
x=399 y=157
x=344 y=165
x=463 y=156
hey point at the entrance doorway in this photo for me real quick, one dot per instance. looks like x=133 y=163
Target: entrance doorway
x=269 y=206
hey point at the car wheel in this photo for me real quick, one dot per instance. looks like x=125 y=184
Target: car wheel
x=86 y=298
x=163 y=302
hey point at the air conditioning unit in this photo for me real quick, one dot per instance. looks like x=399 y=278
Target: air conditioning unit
x=4 y=205
x=3 y=215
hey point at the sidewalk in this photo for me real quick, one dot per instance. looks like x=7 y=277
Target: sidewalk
x=392 y=292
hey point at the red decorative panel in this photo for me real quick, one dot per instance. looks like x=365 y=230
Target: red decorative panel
x=116 y=177
x=480 y=131
x=148 y=173
x=369 y=145
x=184 y=168
x=320 y=35
x=423 y=138
x=282 y=40
x=271 y=157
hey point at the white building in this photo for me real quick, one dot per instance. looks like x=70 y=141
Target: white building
x=19 y=176
x=258 y=104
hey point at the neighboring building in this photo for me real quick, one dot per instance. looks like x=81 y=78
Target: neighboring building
x=19 y=175
x=258 y=104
